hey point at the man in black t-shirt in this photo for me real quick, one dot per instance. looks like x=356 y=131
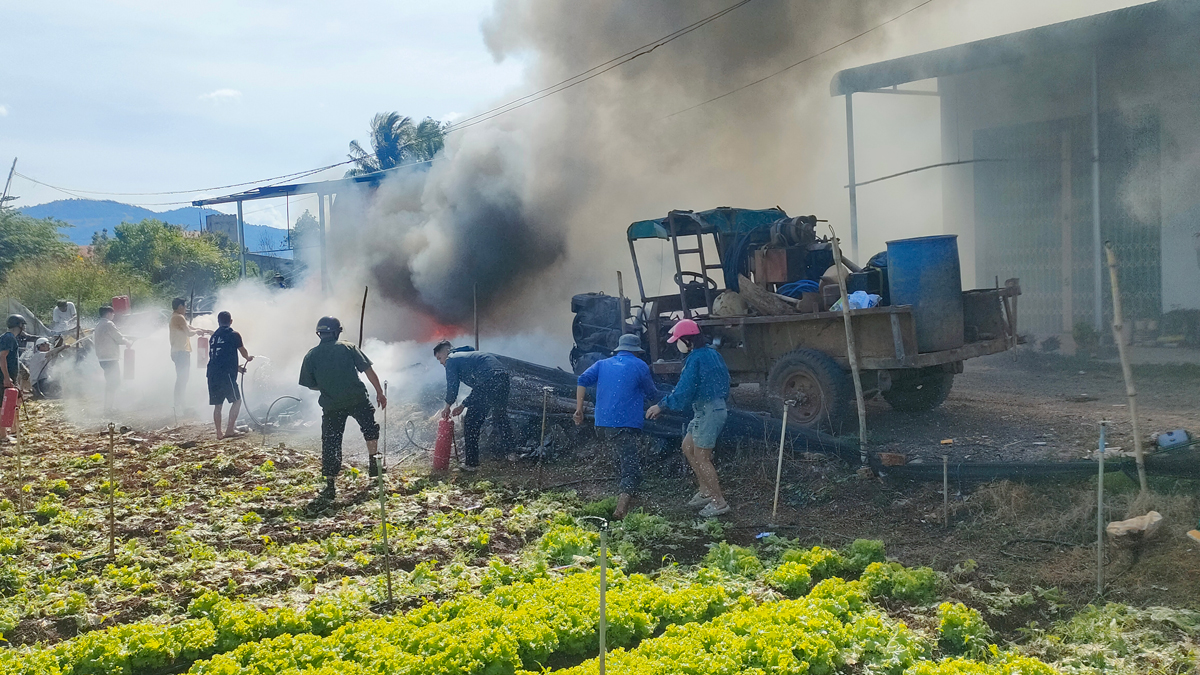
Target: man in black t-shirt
x=9 y=351
x=223 y=369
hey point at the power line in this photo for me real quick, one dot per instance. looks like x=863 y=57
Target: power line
x=612 y=63
x=801 y=61
x=184 y=192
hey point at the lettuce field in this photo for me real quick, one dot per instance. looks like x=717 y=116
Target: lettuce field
x=220 y=568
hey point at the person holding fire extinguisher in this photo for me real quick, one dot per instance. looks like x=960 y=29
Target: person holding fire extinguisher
x=9 y=350
x=181 y=347
x=108 y=341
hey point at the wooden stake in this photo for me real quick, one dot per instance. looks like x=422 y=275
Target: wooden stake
x=1100 y=515
x=112 y=493
x=946 y=490
x=383 y=519
x=475 y=310
x=362 y=317
x=1126 y=369
x=542 y=443
x=20 y=423
x=850 y=349
x=779 y=463
x=603 y=588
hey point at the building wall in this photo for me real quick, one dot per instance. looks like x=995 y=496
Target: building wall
x=1159 y=80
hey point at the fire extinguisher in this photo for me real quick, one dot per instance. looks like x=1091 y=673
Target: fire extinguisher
x=129 y=357
x=201 y=352
x=8 y=415
x=441 y=449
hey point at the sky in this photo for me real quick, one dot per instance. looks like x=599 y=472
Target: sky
x=131 y=96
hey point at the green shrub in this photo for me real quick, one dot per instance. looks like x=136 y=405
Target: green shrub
x=791 y=578
x=49 y=506
x=822 y=563
x=737 y=560
x=917 y=585
x=602 y=508
x=961 y=630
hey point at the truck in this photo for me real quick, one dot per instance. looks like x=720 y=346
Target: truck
x=737 y=273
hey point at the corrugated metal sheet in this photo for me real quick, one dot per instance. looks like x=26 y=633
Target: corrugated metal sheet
x=1128 y=25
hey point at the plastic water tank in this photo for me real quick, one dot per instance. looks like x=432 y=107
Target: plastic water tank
x=924 y=272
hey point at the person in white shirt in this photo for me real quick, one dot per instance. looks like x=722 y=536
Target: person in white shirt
x=40 y=361
x=63 y=317
x=108 y=341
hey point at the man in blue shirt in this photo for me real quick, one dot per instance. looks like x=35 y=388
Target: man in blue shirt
x=622 y=383
x=489 y=383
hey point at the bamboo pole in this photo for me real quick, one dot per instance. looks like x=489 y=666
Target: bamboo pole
x=1100 y=515
x=1126 y=369
x=20 y=423
x=383 y=519
x=542 y=443
x=946 y=490
x=850 y=349
x=112 y=495
x=603 y=588
x=779 y=463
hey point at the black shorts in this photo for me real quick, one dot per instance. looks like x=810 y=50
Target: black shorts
x=222 y=387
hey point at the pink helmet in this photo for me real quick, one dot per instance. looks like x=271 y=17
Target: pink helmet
x=684 y=327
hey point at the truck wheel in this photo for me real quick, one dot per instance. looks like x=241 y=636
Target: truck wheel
x=817 y=383
x=925 y=389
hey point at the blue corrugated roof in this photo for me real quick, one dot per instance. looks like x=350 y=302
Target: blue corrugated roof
x=1122 y=26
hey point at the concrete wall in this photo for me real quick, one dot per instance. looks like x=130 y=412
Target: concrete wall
x=1164 y=76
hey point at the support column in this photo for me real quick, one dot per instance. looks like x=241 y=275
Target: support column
x=241 y=238
x=853 y=185
x=1097 y=241
x=321 y=224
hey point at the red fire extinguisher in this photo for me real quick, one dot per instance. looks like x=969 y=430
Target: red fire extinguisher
x=201 y=352
x=8 y=415
x=129 y=357
x=441 y=449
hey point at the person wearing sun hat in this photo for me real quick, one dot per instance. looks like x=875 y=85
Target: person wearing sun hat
x=703 y=384
x=623 y=383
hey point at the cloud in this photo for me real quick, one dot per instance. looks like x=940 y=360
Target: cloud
x=221 y=95
x=451 y=116
x=3 y=110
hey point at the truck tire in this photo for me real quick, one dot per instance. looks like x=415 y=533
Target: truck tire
x=820 y=387
x=923 y=390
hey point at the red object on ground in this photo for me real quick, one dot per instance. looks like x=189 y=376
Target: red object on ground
x=441 y=449
x=120 y=304
x=129 y=357
x=8 y=415
x=202 y=352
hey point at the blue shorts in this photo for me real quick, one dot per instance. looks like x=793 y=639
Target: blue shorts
x=707 y=422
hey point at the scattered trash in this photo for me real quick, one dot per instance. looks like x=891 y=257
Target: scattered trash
x=1081 y=398
x=948 y=441
x=1135 y=530
x=1040 y=443
x=764 y=535
x=1171 y=439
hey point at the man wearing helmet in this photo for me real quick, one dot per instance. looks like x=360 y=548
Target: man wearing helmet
x=332 y=368
x=704 y=384
x=9 y=350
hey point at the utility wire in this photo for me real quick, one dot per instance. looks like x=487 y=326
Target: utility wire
x=183 y=192
x=801 y=61
x=588 y=74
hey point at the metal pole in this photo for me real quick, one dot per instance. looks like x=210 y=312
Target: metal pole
x=1118 y=329
x=1100 y=516
x=475 y=311
x=1097 y=242
x=112 y=492
x=779 y=463
x=241 y=239
x=542 y=443
x=383 y=519
x=8 y=183
x=603 y=589
x=850 y=166
x=851 y=350
x=946 y=490
x=321 y=227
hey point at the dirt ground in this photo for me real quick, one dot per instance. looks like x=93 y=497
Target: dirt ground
x=1036 y=407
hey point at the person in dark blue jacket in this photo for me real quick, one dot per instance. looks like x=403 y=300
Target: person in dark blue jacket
x=703 y=384
x=622 y=384
x=489 y=383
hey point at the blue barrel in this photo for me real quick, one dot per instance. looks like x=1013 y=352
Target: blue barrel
x=924 y=272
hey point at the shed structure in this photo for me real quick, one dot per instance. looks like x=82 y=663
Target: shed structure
x=1056 y=139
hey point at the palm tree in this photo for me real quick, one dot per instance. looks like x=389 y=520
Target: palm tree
x=396 y=141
